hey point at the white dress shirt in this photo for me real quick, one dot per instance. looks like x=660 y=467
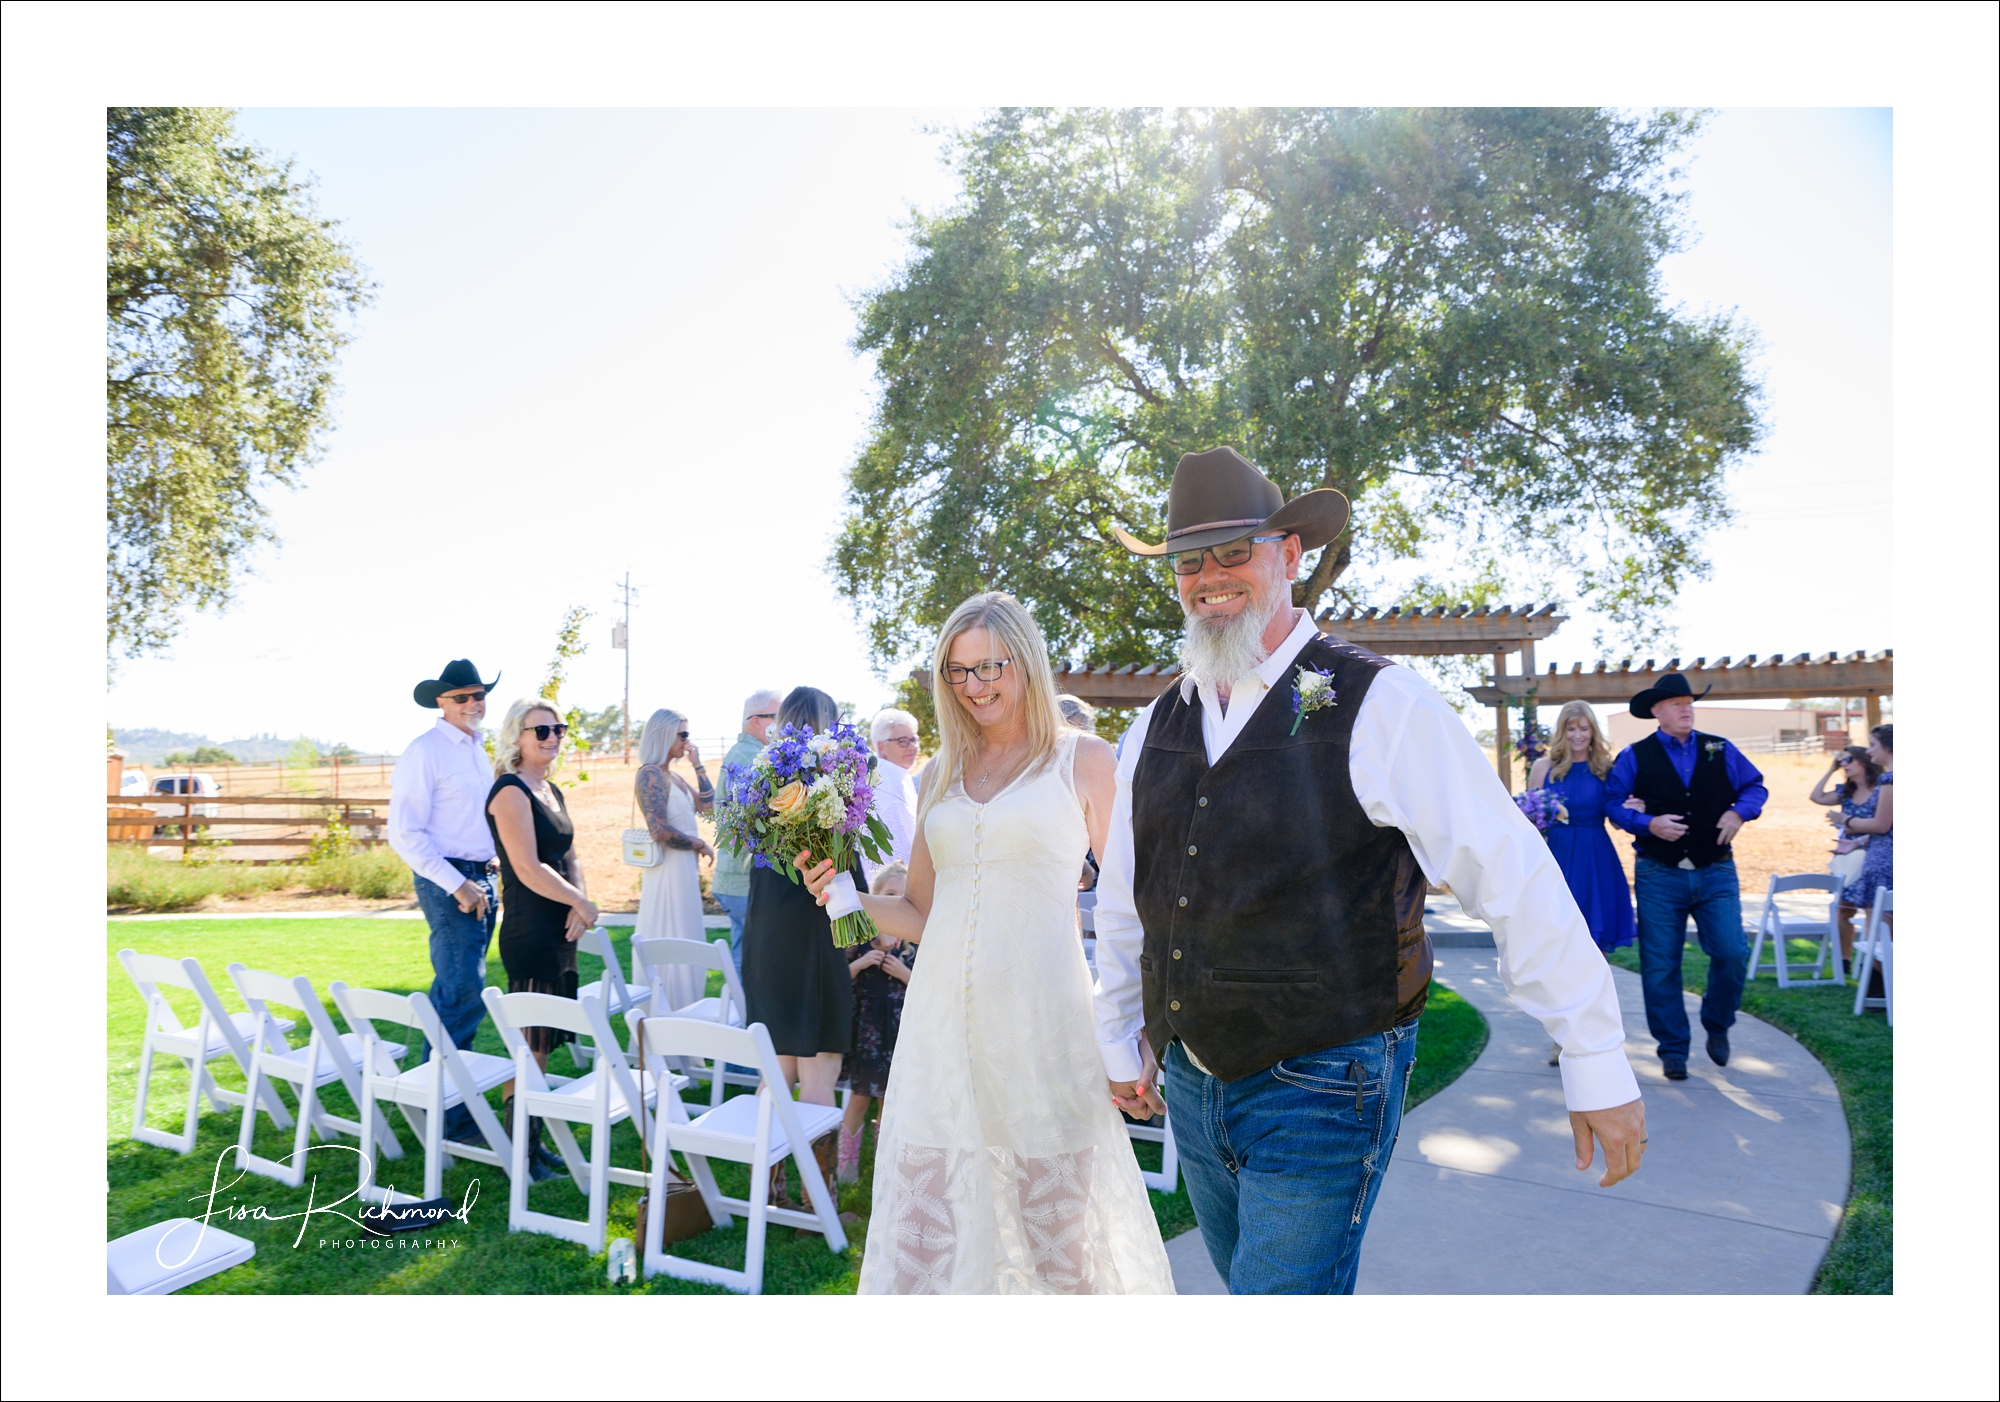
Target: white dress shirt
x=437 y=804
x=1415 y=768
x=896 y=805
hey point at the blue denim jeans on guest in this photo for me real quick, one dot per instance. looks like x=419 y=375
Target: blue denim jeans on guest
x=458 y=956
x=1284 y=1166
x=1667 y=896
x=738 y=907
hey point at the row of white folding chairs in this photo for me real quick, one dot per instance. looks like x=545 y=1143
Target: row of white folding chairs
x=253 y=1039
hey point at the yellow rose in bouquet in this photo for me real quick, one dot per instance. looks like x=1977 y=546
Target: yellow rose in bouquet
x=789 y=802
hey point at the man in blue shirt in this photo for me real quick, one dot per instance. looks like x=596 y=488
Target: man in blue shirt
x=1698 y=791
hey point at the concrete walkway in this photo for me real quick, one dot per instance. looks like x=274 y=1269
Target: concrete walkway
x=1743 y=1184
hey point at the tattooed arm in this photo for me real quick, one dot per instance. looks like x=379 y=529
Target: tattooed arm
x=653 y=793
x=704 y=793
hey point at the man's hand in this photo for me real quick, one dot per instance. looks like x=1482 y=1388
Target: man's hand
x=1141 y=1098
x=1668 y=827
x=1727 y=827
x=1620 y=1129
x=471 y=899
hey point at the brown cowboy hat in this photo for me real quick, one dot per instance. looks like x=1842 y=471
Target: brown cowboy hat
x=1220 y=496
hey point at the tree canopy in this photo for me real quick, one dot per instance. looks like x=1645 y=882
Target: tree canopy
x=1454 y=317
x=227 y=303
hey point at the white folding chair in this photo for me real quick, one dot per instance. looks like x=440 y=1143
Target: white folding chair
x=450 y=1077
x=1774 y=925
x=600 y=1099
x=1158 y=1131
x=170 y=1256
x=328 y=1056
x=758 y=1130
x=657 y=957
x=618 y=996
x=1876 y=947
x=217 y=1033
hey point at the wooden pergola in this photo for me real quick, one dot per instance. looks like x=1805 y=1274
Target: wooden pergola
x=1487 y=632
x=1511 y=632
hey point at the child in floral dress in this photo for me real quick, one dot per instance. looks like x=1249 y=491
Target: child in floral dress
x=881 y=974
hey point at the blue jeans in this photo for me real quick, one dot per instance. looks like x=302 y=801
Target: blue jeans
x=1667 y=895
x=1284 y=1166
x=738 y=907
x=458 y=955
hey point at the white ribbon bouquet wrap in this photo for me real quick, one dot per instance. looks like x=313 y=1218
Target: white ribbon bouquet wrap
x=812 y=792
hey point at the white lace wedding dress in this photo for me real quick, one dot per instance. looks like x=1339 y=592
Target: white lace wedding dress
x=1002 y=1167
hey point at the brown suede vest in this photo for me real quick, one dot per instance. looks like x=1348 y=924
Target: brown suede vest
x=1278 y=919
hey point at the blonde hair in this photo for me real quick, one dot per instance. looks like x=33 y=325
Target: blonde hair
x=1599 y=756
x=507 y=749
x=663 y=727
x=958 y=733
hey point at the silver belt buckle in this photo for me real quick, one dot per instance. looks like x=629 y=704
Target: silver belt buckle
x=1687 y=864
x=1194 y=1060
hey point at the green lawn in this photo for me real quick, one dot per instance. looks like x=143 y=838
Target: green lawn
x=1859 y=1053
x=149 y=1184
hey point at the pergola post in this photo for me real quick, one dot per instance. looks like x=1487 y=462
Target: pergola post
x=1503 y=748
x=1874 y=705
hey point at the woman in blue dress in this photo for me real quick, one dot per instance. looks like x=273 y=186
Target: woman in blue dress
x=1856 y=796
x=1879 y=872
x=1574 y=770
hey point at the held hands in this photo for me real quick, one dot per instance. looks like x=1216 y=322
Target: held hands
x=1141 y=1098
x=1620 y=1129
x=818 y=878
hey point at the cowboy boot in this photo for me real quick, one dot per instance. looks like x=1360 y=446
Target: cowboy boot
x=850 y=1157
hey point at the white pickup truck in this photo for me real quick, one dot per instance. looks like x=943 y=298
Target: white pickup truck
x=191 y=786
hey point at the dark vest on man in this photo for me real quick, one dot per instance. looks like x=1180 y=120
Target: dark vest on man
x=1278 y=919
x=1701 y=803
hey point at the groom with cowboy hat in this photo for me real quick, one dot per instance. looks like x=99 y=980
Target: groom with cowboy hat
x=1260 y=940
x=437 y=823
x=1698 y=791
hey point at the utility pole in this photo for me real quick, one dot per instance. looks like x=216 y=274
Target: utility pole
x=621 y=638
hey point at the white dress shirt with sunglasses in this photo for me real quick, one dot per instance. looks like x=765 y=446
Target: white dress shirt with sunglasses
x=437 y=804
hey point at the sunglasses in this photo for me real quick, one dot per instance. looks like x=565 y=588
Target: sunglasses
x=762 y=715
x=987 y=671
x=684 y=735
x=465 y=697
x=1229 y=554
x=543 y=732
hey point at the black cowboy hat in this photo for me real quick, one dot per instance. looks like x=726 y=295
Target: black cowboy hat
x=455 y=675
x=1671 y=685
x=1219 y=496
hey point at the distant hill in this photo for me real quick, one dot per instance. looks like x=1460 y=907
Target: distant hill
x=142 y=746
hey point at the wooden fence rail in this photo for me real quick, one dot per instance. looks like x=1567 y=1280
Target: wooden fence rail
x=133 y=823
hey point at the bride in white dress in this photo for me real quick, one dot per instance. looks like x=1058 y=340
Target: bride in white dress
x=1002 y=1166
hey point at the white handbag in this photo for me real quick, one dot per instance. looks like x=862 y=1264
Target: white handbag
x=1846 y=866
x=637 y=845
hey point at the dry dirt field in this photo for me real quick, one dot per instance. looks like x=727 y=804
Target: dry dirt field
x=1792 y=836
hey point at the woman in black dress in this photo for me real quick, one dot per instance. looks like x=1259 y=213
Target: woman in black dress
x=543 y=906
x=795 y=981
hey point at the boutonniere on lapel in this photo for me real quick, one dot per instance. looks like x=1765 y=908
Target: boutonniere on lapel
x=1713 y=748
x=1313 y=691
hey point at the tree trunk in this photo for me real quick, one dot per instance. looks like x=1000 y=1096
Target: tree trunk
x=1333 y=562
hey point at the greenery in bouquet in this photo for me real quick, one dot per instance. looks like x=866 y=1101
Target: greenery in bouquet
x=806 y=791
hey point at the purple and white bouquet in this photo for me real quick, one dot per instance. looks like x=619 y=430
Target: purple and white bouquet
x=1534 y=741
x=1544 y=808
x=812 y=792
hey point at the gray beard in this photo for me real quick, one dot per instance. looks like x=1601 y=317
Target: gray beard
x=1220 y=651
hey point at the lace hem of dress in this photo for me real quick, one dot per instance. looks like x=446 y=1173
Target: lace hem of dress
x=1047 y=1198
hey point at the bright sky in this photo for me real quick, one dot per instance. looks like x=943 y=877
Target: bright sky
x=611 y=341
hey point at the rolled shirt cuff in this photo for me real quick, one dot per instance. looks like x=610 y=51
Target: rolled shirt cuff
x=1121 y=1059
x=1598 y=1080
